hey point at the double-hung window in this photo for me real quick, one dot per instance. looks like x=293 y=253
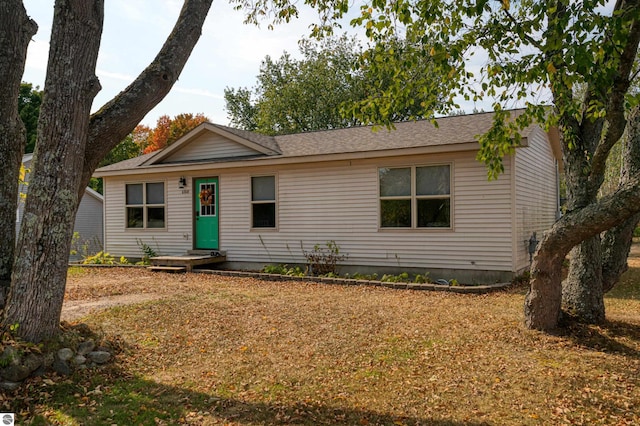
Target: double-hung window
x=263 y=202
x=145 y=205
x=415 y=197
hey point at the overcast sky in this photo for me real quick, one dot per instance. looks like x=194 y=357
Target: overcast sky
x=228 y=53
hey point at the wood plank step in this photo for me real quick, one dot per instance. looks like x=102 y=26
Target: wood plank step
x=211 y=253
x=167 y=268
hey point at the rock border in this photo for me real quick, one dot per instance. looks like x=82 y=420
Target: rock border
x=19 y=361
x=469 y=289
x=464 y=289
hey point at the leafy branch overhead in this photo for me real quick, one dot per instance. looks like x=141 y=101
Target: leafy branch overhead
x=571 y=64
x=532 y=52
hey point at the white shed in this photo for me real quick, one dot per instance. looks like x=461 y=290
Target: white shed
x=89 y=223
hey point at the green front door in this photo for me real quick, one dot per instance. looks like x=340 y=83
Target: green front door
x=206 y=213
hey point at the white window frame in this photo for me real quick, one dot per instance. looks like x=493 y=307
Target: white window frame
x=413 y=197
x=274 y=202
x=145 y=206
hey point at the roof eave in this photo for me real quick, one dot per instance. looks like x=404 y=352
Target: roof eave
x=301 y=159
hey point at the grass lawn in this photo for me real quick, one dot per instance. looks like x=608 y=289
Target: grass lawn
x=235 y=351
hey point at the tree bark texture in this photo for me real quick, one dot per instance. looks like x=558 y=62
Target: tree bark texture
x=16 y=30
x=118 y=117
x=596 y=266
x=616 y=245
x=543 y=301
x=42 y=254
x=587 y=141
x=617 y=241
x=71 y=140
x=582 y=292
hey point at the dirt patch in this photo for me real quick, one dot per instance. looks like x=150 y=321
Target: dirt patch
x=93 y=289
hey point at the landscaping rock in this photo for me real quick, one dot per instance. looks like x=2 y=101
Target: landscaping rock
x=61 y=367
x=86 y=347
x=48 y=360
x=33 y=362
x=9 y=386
x=15 y=373
x=19 y=362
x=78 y=360
x=65 y=354
x=10 y=356
x=26 y=366
x=99 y=357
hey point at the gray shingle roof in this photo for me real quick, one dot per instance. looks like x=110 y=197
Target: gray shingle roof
x=131 y=163
x=411 y=134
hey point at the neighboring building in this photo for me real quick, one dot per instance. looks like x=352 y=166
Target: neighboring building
x=412 y=199
x=89 y=218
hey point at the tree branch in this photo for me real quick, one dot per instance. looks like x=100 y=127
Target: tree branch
x=615 y=118
x=609 y=211
x=116 y=119
x=523 y=34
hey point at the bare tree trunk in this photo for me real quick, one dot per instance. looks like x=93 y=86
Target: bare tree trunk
x=16 y=30
x=115 y=120
x=596 y=266
x=617 y=241
x=40 y=270
x=70 y=140
x=582 y=289
x=616 y=245
x=543 y=301
x=587 y=142
x=582 y=292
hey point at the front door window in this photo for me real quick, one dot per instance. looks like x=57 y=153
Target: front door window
x=207 y=199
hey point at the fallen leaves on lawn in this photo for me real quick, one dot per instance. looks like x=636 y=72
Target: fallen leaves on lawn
x=220 y=350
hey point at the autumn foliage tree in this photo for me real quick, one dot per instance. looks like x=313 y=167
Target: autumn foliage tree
x=167 y=131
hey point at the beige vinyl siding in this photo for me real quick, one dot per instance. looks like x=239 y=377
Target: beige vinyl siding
x=333 y=201
x=210 y=146
x=536 y=193
x=341 y=203
x=175 y=238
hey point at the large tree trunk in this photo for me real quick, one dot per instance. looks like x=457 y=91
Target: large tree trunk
x=116 y=119
x=16 y=30
x=617 y=241
x=587 y=141
x=582 y=289
x=582 y=292
x=543 y=301
x=70 y=141
x=616 y=245
x=40 y=270
x=596 y=266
